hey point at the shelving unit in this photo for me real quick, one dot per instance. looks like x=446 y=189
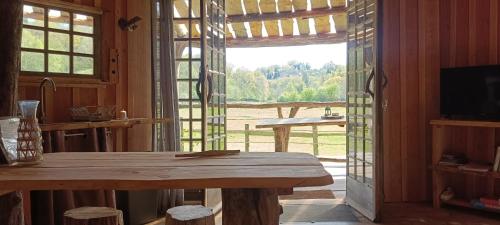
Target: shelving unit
x=477 y=140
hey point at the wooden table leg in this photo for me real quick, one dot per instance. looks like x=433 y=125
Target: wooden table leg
x=250 y=207
x=280 y=139
x=60 y=141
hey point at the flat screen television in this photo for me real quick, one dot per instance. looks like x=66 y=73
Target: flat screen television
x=471 y=93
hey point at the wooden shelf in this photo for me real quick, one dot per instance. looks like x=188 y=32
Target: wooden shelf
x=466 y=123
x=477 y=141
x=110 y=124
x=466 y=204
x=451 y=169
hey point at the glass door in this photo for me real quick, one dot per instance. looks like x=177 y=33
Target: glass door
x=200 y=47
x=214 y=71
x=362 y=78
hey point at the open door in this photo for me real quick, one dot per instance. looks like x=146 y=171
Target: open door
x=363 y=85
x=200 y=48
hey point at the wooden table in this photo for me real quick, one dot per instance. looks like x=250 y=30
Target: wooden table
x=281 y=128
x=250 y=182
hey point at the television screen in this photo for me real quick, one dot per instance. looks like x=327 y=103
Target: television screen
x=471 y=93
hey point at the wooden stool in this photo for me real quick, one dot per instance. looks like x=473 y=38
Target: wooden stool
x=93 y=216
x=190 y=215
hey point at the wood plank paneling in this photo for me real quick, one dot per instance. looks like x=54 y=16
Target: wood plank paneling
x=420 y=38
x=392 y=115
x=139 y=77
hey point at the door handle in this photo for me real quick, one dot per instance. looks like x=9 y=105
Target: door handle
x=368 y=82
x=385 y=80
x=201 y=81
x=198 y=85
x=210 y=88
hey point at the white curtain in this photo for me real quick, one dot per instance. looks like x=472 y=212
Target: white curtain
x=166 y=135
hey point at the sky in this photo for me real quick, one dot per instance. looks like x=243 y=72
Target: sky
x=316 y=55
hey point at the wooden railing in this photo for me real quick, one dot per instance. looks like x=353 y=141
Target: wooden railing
x=285 y=105
x=295 y=107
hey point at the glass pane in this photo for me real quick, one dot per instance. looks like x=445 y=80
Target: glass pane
x=352 y=145
x=58 y=63
x=369 y=151
x=183 y=89
x=196 y=146
x=183 y=46
x=183 y=70
x=368 y=173
x=58 y=42
x=196 y=110
x=33 y=62
x=359 y=170
x=33 y=16
x=359 y=148
x=33 y=39
x=211 y=128
x=82 y=44
x=351 y=167
x=181 y=29
x=222 y=144
x=83 y=23
x=58 y=19
x=83 y=65
x=196 y=129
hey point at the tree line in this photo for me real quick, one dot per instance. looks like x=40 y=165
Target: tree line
x=295 y=81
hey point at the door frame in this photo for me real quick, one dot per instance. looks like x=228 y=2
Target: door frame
x=380 y=83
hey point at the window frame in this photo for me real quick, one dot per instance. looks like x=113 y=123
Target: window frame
x=96 y=37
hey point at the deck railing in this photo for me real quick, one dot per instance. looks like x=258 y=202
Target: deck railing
x=321 y=141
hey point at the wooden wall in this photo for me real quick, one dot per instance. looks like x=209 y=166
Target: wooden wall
x=420 y=37
x=140 y=80
x=111 y=89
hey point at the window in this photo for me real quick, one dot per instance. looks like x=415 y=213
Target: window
x=58 y=42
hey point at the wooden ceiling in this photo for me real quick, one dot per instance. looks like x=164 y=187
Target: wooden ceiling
x=268 y=23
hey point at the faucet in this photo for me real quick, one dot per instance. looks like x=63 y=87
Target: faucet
x=42 y=96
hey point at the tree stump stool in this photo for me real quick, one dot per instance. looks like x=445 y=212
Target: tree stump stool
x=93 y=216
x=190 y=215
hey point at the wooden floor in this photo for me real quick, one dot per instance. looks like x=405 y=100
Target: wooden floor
x=410 y=214
x=324 y=211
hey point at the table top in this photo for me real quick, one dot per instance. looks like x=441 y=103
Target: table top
x=297 y=122
x=153 y=170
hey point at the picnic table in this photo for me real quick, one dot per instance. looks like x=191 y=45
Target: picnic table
x=250 y=182
x=282 y=127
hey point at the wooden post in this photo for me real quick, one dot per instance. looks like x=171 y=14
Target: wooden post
x=280 y=139
x=94 y=139
x=60 y=141
x=315 y=140
x=250 y=207
x=11 y=15
x=190 y=215
x=93 y=216
x=247 y=137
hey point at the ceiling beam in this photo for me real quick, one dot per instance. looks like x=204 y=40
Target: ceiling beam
x=297 y=40
x=286 y=15
x=303 y=14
